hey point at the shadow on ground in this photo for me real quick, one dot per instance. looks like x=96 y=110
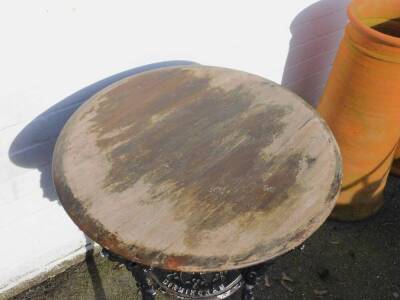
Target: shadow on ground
x=340 y=261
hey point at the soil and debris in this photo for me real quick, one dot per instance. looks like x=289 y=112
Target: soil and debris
x=340 y=261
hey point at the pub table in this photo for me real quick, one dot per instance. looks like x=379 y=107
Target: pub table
x=196 y=176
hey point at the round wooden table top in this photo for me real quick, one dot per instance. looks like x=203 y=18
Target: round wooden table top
x=197 y=169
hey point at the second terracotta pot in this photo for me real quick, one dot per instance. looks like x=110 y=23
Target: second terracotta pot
x=361 y=104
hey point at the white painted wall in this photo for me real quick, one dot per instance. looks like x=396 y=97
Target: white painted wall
x=54 y=55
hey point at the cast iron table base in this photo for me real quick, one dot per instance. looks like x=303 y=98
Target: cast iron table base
x=206 y=286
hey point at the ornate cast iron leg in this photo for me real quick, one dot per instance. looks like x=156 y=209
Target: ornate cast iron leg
x=142 y=281
x=250 y=281
x=251 y=276
x=138 y=273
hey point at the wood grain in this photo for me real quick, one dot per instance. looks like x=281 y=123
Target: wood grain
x=197 y=169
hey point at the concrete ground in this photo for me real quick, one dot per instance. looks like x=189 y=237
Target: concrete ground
x=341 y=261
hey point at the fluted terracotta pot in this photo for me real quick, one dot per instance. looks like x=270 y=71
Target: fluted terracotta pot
x=361 y=103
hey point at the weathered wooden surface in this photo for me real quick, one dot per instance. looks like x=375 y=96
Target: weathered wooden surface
x=197 y=169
